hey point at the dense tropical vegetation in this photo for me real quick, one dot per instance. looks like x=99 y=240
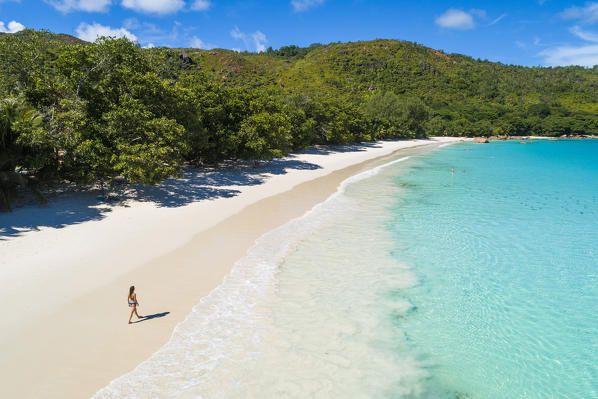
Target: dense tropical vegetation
x=87 y=113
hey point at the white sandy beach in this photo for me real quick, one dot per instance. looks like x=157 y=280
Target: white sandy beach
x=65 y=268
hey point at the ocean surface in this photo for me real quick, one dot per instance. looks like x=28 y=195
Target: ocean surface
x=410 y=282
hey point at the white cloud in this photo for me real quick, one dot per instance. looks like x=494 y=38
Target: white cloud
x=201 y=5
x=154 y=6
x=66 y=6
x=131 y=23
x=257 y=39
x=497 y=20
x=196 y=42
x=237 y=34
x=585 y=35
x=584 y=55
x=520 y=44
x=455 y=19
x=569 y=55
x=586 y=15
x=304 y=5
x=144 y=27
x=12 y=27
x=478 y=12
x=464 y=20
x=149 y=45
x=91 y=32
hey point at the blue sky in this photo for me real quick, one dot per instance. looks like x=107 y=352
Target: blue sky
x=534 y=32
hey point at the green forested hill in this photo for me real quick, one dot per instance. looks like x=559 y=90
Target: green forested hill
x=86 y=113
x=453 y=86
x=401 y=67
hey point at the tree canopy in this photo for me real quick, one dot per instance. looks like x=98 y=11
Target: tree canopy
x=89 y=113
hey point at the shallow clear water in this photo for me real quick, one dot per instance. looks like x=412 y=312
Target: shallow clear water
x=506 y=252
x=411 y=282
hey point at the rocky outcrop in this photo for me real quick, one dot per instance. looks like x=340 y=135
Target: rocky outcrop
x=187 y=61
x=481 y=140
x=185 y=58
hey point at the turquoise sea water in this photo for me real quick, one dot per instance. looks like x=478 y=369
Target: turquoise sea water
x=506 y=254
x=411 y=282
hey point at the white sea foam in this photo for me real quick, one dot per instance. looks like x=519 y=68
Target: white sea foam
x=308 y=312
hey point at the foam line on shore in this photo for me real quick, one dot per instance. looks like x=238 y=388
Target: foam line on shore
x=174 y=255
x=253 y=276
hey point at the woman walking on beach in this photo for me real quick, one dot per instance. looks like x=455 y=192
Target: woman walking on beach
x=132 y=299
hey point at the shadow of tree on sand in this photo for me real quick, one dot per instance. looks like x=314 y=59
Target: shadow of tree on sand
x=195 y=185
x=61 y=211
x=331 y=149
x=208 y=184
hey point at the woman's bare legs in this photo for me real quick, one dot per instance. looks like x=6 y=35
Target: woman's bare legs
x=134 y=310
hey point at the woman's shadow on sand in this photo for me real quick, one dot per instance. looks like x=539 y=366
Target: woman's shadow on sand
x=151 y=316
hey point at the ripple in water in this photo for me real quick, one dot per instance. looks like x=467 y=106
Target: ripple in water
x=505 y=253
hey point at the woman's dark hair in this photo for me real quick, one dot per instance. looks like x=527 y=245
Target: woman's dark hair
x=131 y=290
